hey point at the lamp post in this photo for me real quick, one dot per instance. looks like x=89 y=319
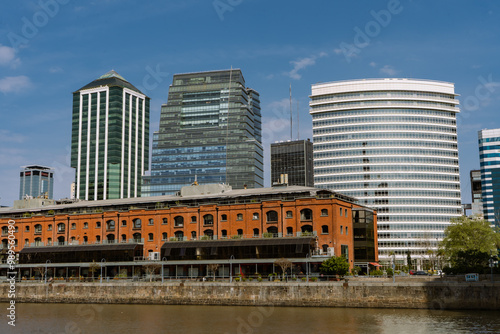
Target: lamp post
x=307 y=267
x=102 y=261
x=393 y=268
x=164 y=259
x=231 y=268
x=46 y=264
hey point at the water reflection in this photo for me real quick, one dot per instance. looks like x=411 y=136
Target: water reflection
x=95 y=318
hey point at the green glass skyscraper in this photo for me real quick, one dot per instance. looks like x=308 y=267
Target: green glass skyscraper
x=210 y=131
x=110 y=138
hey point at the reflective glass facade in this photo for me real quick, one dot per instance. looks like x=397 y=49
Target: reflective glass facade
x=294 y=158
x=489 y=159
x=110 y=139
x=391 y=143
x=36 y=181
x=210 y=129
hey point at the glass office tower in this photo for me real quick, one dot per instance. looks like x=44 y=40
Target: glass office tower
x=489 y=159
x=110 y=139
x=36 y=181
x=210 y=131
x=391 y=143
x=295 y=159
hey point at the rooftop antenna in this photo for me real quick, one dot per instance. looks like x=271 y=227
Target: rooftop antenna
x=291 y=121
x=298 y=120
x=227 y=117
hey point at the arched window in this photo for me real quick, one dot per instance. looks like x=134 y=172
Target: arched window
x=289 y=231
x=110 y=225
x=324 y=229
x=49 y=241
x=124 y=238
x=150 y=237
x=272 y=230
x=60 y=240
x=256 y=232
x=5 y=243
x=239 y=216
x=110 y=238
x=193 y=219
x=239 y=231
x=306 y=214
x=306 y=228
x=73 y=239
x=137 y=223
x=5 y=230
x=272 y=216
x=340 y=212
x=208 y=233
x=26 y=242
x=223 y=218
x=346 y=230
x=98 y=239
x=97 y=224
x=151 y=221
x=208 y=220
x=61 y=227
x=85 y=225
x=137 y=237
x=255 y=216
x=27 y=228
x=164 y=221
x=164 y=236
x=179 y=235
x=341 y=229
x=49 y=228
x=73 y=226
x=324 y=212
x=178 y=221
x=38 y=228
x=38 y=241
x=193 y=235
x=289 y=214
x=124 y=223
x=224 y=233
x=85 y=239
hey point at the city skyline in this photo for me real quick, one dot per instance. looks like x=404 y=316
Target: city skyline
x=45 y=50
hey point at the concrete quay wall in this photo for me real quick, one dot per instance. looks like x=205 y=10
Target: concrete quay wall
x=452 y=296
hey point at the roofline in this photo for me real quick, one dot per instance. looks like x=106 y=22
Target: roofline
x=383 y=79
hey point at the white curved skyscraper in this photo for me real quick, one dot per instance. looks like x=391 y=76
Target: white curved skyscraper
x=391 y=143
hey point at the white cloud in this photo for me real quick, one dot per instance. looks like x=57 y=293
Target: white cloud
x=302 y=64
x=8 y=56
x=389 y=70
x=373 y=64
x=55 y=69
x=6 y=136
x=14 y=84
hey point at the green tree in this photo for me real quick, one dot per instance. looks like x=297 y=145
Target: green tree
x=336 y=265
x=468 y=244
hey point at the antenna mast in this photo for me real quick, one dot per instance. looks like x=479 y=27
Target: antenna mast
x=291 y=121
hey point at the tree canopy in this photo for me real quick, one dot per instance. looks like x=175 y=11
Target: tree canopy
x=336 y=265
x=468 y=244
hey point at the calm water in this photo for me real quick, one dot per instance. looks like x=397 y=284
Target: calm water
x=107 y=319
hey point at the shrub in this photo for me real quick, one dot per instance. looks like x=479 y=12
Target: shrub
x=336 y=265
x=314 y=279
x=376 y=272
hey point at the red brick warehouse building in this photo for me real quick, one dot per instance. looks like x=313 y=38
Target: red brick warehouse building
x=203 y=224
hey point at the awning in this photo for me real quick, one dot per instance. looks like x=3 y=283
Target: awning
x=375 y=264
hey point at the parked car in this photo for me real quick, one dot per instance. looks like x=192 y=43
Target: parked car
x=421 y=272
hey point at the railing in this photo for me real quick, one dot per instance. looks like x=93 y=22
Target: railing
x=76 y=243
x=245 y=236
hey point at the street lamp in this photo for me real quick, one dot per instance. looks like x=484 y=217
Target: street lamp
x=393 y=268
x=164 y=259
x=231 y=268
x=307 y=267
x=46 y=263
x=102 y=261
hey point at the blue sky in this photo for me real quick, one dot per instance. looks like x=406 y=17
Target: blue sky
x=50 y=48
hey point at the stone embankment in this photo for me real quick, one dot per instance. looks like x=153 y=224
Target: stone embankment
x=421 y=295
